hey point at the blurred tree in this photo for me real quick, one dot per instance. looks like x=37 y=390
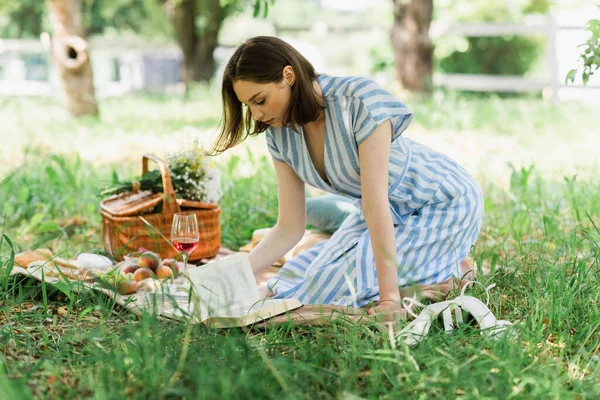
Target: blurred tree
x=142 y=17
x=480 y=55
x=197 y=24
x=412 y=46
x=70 y=52
x=24 y=18
x=518 y=54
x=70 y=22
x=414 y=50
x=28 y=18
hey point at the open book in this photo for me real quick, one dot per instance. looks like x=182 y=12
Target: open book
x=224 y=294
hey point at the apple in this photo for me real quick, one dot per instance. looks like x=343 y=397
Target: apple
x=173 y=265
x=127 y=287
x=142 y=273
x=164 y=272
x=130 y=268
x=149 y=260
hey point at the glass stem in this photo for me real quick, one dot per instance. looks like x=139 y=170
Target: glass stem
x=185 y=260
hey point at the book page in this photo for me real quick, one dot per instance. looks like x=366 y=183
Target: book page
x=223 y=285
x=240 y=316
x=168 y=295
x=264 y=308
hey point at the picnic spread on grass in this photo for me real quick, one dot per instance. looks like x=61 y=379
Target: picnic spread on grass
x=141 y=214
x=138 y=215
x=138 y=293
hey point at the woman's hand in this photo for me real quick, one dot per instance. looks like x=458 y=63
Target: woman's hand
x=388 y=311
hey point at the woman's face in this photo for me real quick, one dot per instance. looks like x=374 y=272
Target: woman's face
x=267 y=101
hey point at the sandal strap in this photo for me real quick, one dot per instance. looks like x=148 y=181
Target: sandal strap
x=449 y=324
x=458 y=315
x=409 y=302
x=447 y=316
x=487 y=290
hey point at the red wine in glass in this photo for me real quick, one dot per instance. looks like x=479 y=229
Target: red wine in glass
x=185 y=234
x=185 y=244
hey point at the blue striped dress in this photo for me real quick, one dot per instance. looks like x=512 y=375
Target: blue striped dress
x=436 y=206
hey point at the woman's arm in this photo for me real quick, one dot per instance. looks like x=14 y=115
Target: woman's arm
x=374 y=155
x=291 y=221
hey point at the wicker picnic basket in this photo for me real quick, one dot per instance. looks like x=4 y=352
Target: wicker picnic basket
x=124 y=232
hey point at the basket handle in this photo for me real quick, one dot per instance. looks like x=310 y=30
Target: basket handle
x=170 y=205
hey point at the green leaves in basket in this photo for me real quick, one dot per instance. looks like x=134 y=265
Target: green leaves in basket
x=194 y=177
x=151 y=180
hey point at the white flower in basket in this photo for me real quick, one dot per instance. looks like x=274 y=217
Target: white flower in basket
x=193 y=174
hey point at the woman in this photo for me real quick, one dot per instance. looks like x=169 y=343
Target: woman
x=419 y=211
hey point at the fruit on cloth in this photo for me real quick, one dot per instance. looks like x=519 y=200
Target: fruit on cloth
x=149 y=260
x=174 y=265
x=149 y=284
x=164 y=272
x=130 y=268
x=113 y=276
x=127 y=287
x=143 y=273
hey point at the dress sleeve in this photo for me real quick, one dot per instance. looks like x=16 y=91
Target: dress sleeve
x=272 y=146
x=371 y=106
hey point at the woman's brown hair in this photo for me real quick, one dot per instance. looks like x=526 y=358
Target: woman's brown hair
x=261 y=60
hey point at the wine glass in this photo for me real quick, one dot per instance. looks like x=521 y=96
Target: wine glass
x=184 y=233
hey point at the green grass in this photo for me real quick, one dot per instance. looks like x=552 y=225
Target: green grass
x=541 y=239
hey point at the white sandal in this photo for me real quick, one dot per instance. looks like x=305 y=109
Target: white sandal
x=417 y=329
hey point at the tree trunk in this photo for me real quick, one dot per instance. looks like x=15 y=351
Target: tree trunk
x=204 y=64
x=182 y=14
x=197 y=49
x=70 y=52
x=412 y=46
